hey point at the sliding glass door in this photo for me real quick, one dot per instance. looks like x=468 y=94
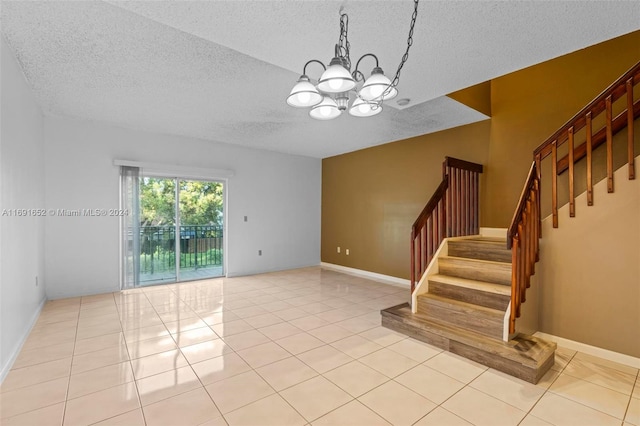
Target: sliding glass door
x=180 y=230
x=201 y=217
x=157 y=231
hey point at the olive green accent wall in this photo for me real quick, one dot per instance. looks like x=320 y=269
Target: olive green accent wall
x=370 y=198
x=477 y=97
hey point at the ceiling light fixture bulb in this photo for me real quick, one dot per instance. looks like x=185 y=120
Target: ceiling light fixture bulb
x=362 y=108
x=378 y=87
x=336 y=79
x=325 y=110
x=304 y=94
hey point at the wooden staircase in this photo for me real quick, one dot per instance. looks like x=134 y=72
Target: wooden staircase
x=464 y=310
x=467 y=290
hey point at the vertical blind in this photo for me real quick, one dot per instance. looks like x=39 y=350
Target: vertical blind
x=129 y=225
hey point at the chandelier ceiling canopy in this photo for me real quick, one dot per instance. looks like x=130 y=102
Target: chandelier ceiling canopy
x=338 y=85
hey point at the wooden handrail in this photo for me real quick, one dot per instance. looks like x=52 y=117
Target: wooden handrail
x=450 y=162
x=451 y=211
x=431 y=204
x=524 y=232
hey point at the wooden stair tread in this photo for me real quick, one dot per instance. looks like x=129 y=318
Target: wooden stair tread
x=461 y=306
x=495 y=288
x=475 y=269
x=491 y=249
x=525 y=350
x=478 y=261
x=481 y=238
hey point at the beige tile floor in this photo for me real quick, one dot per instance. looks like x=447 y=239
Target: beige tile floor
x=301 y=347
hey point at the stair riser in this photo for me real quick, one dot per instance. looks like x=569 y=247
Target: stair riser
x=481 y=250
x=469 y=295
x=478 y=321
x=490 y=272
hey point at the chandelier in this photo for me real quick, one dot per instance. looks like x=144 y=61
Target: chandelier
x=337 y=85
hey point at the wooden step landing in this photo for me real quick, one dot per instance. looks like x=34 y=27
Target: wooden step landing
x=525 y=357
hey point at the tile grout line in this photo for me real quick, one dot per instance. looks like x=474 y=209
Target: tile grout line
x=547 y=389
x=193 y=371
x=636 y=383
x=126 y=344
x=235 y=375
x=66 y=397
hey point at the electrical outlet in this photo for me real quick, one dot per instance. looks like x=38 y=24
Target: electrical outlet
x=338 y=249
x=36 y=281
x=347 y=252
x=259 y=252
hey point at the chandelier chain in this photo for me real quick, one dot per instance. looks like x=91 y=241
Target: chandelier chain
x=343 y=42
x=414 y=16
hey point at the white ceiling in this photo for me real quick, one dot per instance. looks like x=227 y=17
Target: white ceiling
x=221 y=70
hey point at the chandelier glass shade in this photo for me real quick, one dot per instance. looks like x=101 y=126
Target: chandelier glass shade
x=304 y=94
x=362 y=108
x=327 y=109
x=378 y=87
x=336 y=78
x=337 y=84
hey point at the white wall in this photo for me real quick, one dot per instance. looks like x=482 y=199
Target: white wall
x=21 y=186
x=279 y=193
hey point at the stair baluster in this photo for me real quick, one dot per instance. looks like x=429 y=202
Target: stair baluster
x=452 y=211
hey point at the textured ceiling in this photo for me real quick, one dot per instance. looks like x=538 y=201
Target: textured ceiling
x=221 y=70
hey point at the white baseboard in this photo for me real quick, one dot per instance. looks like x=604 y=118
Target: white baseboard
x=18 y=347
x=494 y=232
x=387 y=279
x=591 y=350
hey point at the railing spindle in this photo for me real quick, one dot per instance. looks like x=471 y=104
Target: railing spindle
x=609 y=145
x=630 y=154
x=589 y=160
x=459 y=201
x=449 y=198
x=572 y=197
x=538 y=163
x=554 y=182
x=413 y=259
x=514 y=283
x=429 y=241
